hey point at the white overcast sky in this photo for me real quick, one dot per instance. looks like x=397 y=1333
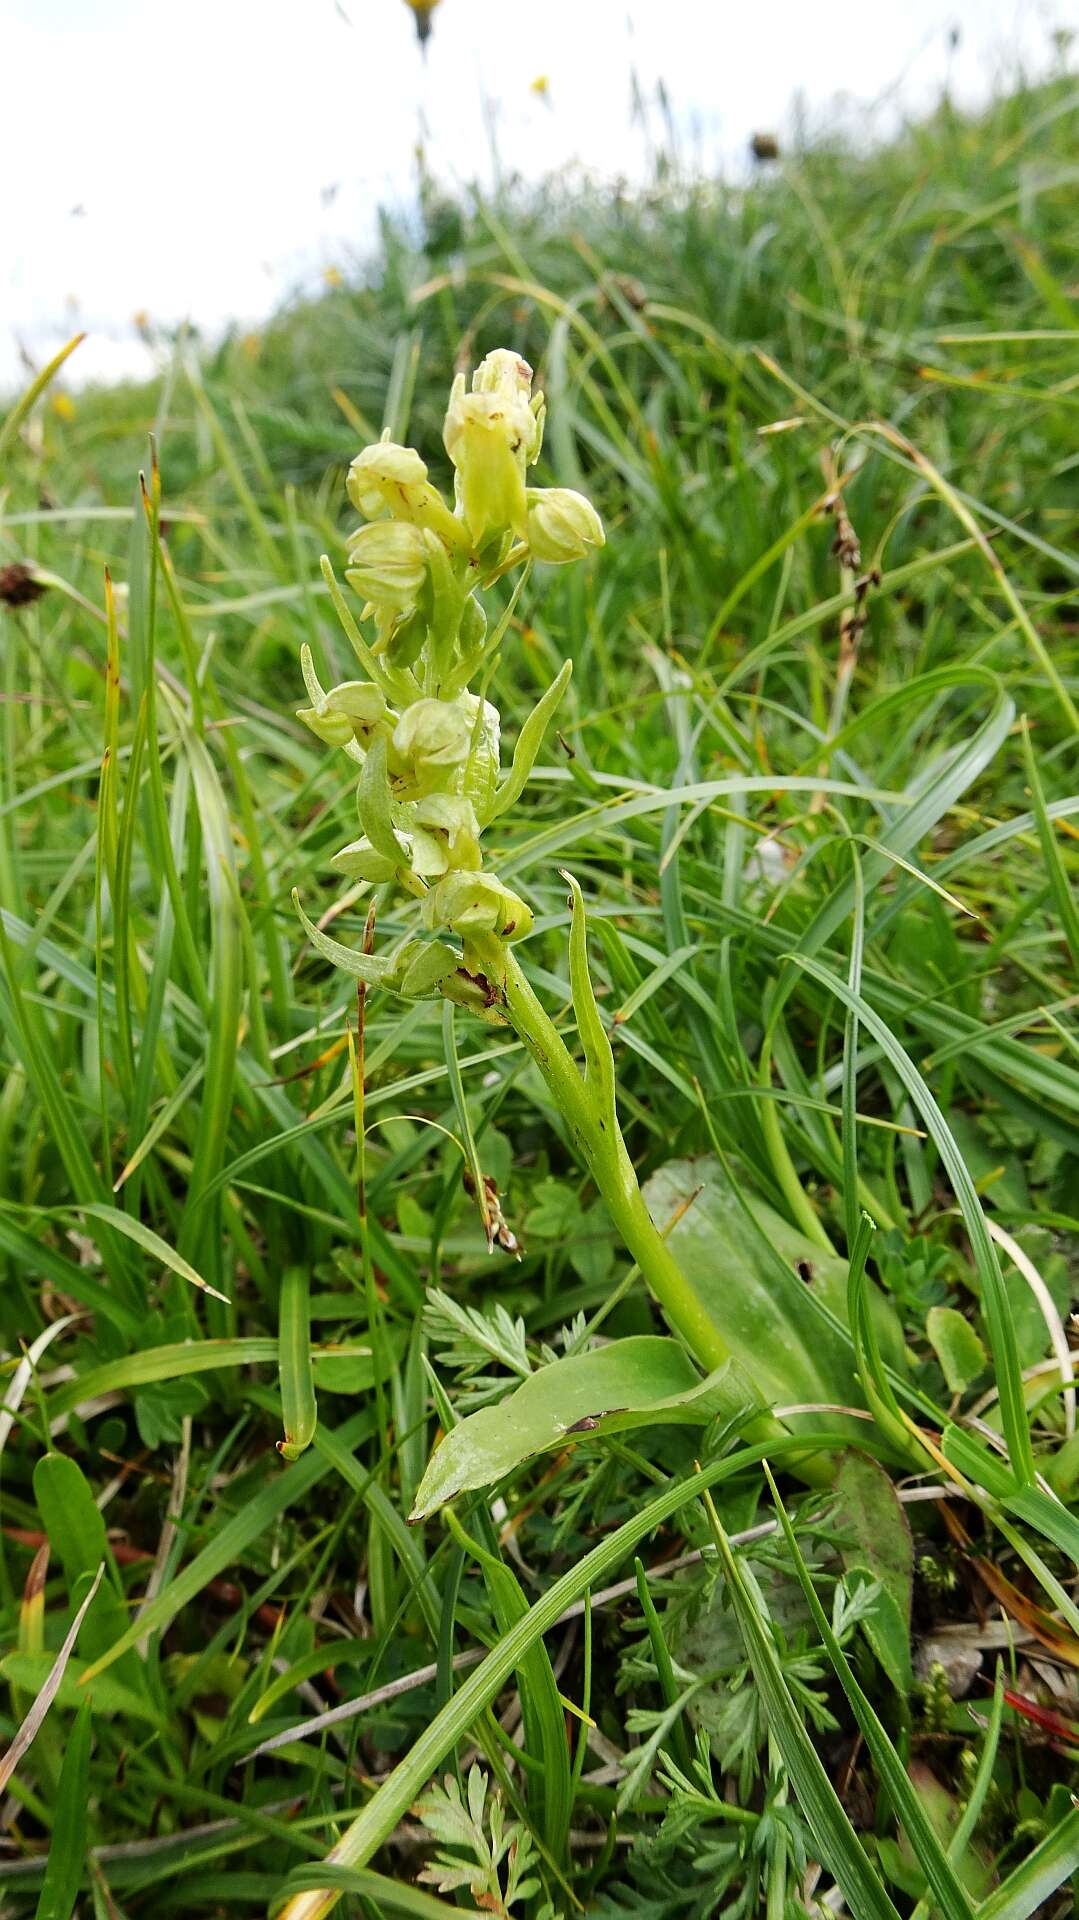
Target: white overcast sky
x=174 y=158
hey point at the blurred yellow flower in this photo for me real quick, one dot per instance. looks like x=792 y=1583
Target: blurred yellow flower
x=423 y=9
x=63 y=406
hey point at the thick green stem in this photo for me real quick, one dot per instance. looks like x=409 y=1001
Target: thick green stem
x=612 y=1170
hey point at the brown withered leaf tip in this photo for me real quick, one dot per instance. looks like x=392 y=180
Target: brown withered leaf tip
x=498 y=1230
x=18 y=586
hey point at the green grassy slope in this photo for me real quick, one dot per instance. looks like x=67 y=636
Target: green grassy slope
x=886 y=743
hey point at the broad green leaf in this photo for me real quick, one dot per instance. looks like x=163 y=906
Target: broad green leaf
x=960 y=1352
x=69 y=1515
x=160 y=1410
x=878 y=1544
x=757 y=1276
x=640 y=1381
x=76 y=1530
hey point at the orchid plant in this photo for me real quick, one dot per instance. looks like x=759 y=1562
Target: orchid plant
x=425 y=738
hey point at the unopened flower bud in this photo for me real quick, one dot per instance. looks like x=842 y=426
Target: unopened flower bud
x=492 y=434
x=388 y=563
x=422 y=966
x=388 y=481
x=562 y=525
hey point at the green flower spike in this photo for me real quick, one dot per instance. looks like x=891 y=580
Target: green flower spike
x=430 y=777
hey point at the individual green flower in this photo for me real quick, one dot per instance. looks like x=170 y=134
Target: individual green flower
x=422 y=967
x=361 y=861
x=348 y=715
x=492 y=434
x=562 y=525
x=387 y=563
x=430 y=741
x=472 y=904
x=388 y=481
x=445 y=834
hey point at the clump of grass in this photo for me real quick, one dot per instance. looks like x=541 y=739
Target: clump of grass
x=815 y=777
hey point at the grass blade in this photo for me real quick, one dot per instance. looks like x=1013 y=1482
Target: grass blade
x=995 y=1301
x=934 y=1862
x=67 y=1847
x=839 y=1845
x=298 y=1409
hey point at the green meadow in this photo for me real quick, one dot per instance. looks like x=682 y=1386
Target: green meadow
x=553 y=1604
